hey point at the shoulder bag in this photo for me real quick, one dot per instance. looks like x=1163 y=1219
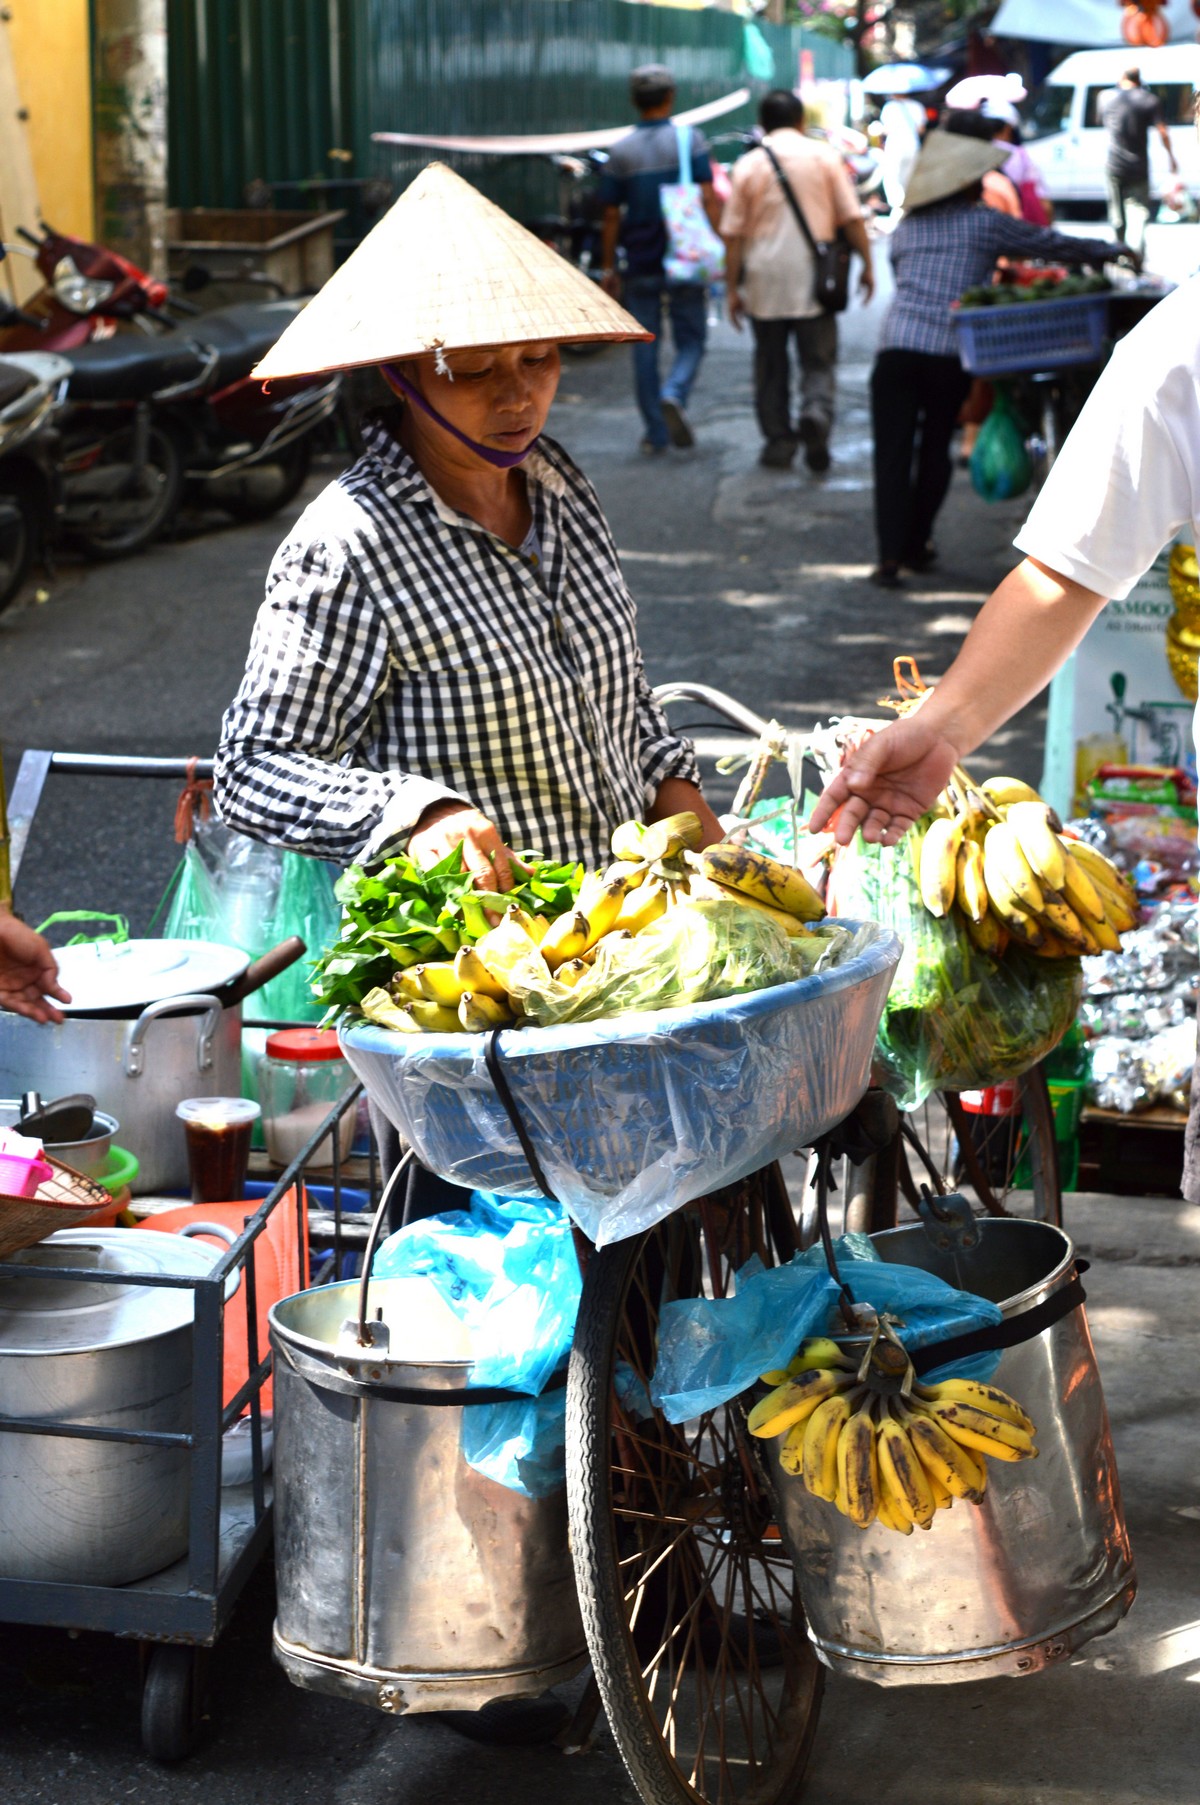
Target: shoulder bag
x=694 y=252
x=831 y=257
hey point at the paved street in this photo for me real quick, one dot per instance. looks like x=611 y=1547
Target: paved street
x=753 y=581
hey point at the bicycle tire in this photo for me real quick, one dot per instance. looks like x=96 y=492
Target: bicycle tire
x=1005 y=1165
x=673 y=1526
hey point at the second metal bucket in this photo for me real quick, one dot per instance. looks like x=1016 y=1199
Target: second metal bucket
x=406 y=1579
x=1014 y=1584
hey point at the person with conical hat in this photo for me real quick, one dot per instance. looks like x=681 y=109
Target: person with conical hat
x=447 y=654
x=946 y=242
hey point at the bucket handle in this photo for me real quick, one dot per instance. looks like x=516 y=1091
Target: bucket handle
x=135 y=1056
x=365 y=1337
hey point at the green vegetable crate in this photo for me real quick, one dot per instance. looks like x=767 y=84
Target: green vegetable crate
x=1067 y=1098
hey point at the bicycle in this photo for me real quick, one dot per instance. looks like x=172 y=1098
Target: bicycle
x=691 y=1606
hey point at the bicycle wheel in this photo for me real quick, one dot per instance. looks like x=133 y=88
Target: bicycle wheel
x=1005 y=1165
x=690 y=1605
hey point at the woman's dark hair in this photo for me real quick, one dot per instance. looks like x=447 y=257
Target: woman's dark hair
x=966 y=197
x=967 y=122
x=779 y=109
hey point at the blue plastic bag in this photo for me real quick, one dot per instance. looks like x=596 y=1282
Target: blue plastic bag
x=507 y=1268
x=712 y=1349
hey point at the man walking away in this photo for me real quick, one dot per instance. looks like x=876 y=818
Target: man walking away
x=638 y=168
x=770 y=274
x=1127 y=112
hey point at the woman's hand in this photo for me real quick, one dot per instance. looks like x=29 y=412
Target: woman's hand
x=449 y=824
x=677 y=796
x=28 y=972
x=890 y=782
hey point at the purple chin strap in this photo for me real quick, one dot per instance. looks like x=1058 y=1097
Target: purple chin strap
x=503 y=460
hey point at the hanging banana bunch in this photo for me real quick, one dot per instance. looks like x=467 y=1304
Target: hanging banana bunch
x=866 y=1437
x=995 y=853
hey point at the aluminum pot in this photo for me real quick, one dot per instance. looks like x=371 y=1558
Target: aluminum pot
x=1027 y=1577
x=137 y=1070
x=405 y=1579
x=137 y=1050
x=109 y=1354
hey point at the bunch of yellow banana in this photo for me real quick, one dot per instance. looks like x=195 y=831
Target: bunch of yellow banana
x=881 y=1455
x=995 y=853
x=656 y=868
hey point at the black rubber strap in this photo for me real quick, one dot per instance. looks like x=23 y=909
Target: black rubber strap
x=499 y=1077
x=1010 y=1333
x=463 y=1397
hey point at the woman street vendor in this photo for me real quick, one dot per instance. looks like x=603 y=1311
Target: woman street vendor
x=447 y=654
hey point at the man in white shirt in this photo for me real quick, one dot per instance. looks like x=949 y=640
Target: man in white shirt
x=770 y=274
x=1126 y=482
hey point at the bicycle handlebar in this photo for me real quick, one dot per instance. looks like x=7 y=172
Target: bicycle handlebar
x=735 y=712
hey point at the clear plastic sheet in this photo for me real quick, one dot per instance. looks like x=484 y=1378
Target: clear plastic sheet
x=692 y=955
x=956 y=1018
x=713 y=1349
x=632 y=1116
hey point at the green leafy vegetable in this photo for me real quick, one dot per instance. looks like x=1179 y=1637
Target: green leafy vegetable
x=397 y=915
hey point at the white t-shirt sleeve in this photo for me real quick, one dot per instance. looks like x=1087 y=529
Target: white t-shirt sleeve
x=1125 y=481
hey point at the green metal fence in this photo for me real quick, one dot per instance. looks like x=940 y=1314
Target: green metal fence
x=290 y=91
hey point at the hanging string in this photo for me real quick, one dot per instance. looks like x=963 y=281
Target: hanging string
x=194 y=804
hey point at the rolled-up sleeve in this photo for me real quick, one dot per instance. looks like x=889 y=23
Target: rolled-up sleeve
x=662 y=752
x=320 y=659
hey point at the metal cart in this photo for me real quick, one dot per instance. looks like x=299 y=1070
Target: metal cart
x=178 y=1614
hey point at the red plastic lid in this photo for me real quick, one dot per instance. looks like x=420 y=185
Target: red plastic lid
x=304 y=1044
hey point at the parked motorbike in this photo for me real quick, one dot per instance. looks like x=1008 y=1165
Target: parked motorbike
x=167 y=410
x=32 y=396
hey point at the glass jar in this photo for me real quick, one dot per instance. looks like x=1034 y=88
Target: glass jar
x=299 y=1081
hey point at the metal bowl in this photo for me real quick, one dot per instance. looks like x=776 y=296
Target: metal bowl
x=88 y=1156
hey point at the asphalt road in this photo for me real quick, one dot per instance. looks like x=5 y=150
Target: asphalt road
x=750 y=580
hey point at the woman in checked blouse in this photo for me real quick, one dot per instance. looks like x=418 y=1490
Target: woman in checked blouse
x=447 y=654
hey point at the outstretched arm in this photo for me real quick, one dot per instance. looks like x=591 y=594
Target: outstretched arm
x=1026 y=629
x=28 y=972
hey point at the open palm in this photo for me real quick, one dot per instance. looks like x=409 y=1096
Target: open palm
x=890 y=782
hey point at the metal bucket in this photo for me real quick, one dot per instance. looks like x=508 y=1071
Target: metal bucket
x=1014 y=1584
x=405 y=1579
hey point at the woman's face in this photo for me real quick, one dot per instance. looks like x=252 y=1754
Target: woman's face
x=500 y=398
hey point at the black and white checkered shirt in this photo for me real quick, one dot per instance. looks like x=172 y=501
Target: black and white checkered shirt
x=939 y=252
x=404 y=656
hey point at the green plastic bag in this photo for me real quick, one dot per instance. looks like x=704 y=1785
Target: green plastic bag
x=1000 y=466
x=956 y=1018
x=243 y=893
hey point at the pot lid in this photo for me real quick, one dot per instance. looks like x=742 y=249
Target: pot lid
x=59 y=1316
x=106 y=974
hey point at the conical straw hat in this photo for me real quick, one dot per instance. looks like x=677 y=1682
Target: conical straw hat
x=948 y=163
x=445 y=270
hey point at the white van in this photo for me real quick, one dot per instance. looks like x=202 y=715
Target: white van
x=1061 y=122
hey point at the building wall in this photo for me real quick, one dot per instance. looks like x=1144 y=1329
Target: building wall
x=51 y=47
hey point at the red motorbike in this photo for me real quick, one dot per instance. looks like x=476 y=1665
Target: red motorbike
x=158 y=409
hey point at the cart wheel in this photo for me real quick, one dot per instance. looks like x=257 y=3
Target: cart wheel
x=171 y=1701
x=1004 y=1165
x=690 y=1604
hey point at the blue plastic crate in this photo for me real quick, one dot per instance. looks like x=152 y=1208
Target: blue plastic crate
x=1022 y=336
